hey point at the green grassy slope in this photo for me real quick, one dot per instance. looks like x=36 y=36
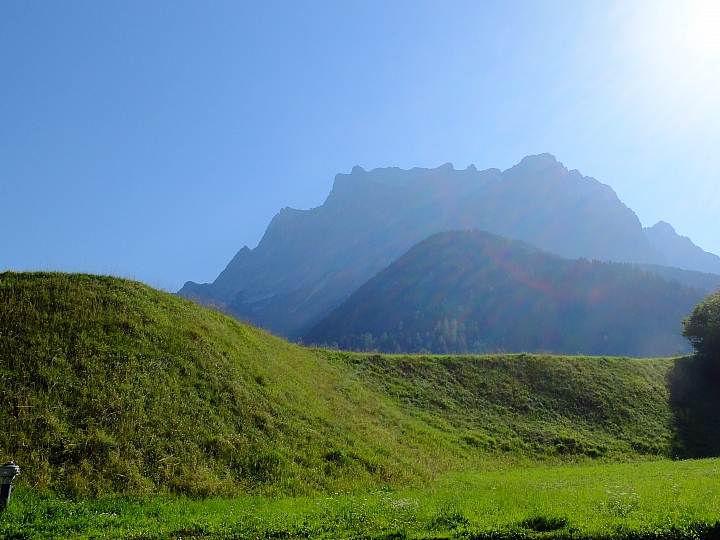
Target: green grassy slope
x=110 y=386
x=534 y=405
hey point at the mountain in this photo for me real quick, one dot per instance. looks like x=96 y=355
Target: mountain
x=464 y=291
x=679 y=251
x=310 y=261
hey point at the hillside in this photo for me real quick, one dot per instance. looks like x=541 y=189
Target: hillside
x=310 y=261
x=701 y=280
x=471 y=291
x=109 y=386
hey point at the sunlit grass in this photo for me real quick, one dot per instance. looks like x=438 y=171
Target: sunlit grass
x=112 y=387
x=660 y=499
x=137 y=414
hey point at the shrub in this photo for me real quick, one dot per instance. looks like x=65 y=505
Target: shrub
x=702 y=327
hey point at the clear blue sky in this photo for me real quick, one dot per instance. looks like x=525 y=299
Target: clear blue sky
x=154 y=139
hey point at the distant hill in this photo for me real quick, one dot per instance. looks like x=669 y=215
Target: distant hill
x=701 y=280
x=471 y=291
x=310 y=261
x=111 y=387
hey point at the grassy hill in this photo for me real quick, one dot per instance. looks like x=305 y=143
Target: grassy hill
x=108 y=386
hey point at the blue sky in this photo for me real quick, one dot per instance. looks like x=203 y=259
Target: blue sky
x=153 y=140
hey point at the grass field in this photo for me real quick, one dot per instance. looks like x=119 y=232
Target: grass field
x=137 y=414
x=652 y=499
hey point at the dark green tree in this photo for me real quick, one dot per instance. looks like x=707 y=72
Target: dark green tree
x=702 y=327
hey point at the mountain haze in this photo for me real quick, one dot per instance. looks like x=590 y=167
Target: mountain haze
x=679 y=251
x=471 y=291
x=309 y=261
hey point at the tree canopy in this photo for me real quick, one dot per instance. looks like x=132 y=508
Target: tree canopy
x=702 y=327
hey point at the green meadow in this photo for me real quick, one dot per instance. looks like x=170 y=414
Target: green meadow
x=650 y=499
x=137 y=414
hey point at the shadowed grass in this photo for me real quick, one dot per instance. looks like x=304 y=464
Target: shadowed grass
x=532 y=405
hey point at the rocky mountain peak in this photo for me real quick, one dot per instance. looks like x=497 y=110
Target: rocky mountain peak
x=310 y=261
x=679 y=251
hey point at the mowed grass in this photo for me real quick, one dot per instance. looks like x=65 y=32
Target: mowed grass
x=654 y=500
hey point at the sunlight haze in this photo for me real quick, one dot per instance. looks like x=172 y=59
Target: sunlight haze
x=154 y=140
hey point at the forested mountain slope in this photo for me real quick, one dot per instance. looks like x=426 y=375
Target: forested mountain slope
x=473 y=291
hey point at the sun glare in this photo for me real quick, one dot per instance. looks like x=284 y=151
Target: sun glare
x=680 y=34
x=705 y=30
x=671 y=56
